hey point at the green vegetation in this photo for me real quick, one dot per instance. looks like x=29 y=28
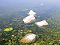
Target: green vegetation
x=48 y=35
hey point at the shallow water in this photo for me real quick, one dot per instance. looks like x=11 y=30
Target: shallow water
x=12 y=28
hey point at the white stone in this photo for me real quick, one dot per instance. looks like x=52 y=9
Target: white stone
x=29 y=19
x=41 y=23
x=31 y=12
x=28 y=38
x=31 y=36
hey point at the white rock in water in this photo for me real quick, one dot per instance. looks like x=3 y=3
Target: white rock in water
x=41 y=23
x=29 y=19
x=28 y=38
x=31 y=12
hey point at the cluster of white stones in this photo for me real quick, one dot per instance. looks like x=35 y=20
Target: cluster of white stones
x=29 y=19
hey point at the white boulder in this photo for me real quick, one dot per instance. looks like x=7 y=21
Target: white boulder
x=41 y=23
x=31 y=12
x=28 y=38
x=29 y=19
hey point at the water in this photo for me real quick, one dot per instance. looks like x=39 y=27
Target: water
x=12 y=13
